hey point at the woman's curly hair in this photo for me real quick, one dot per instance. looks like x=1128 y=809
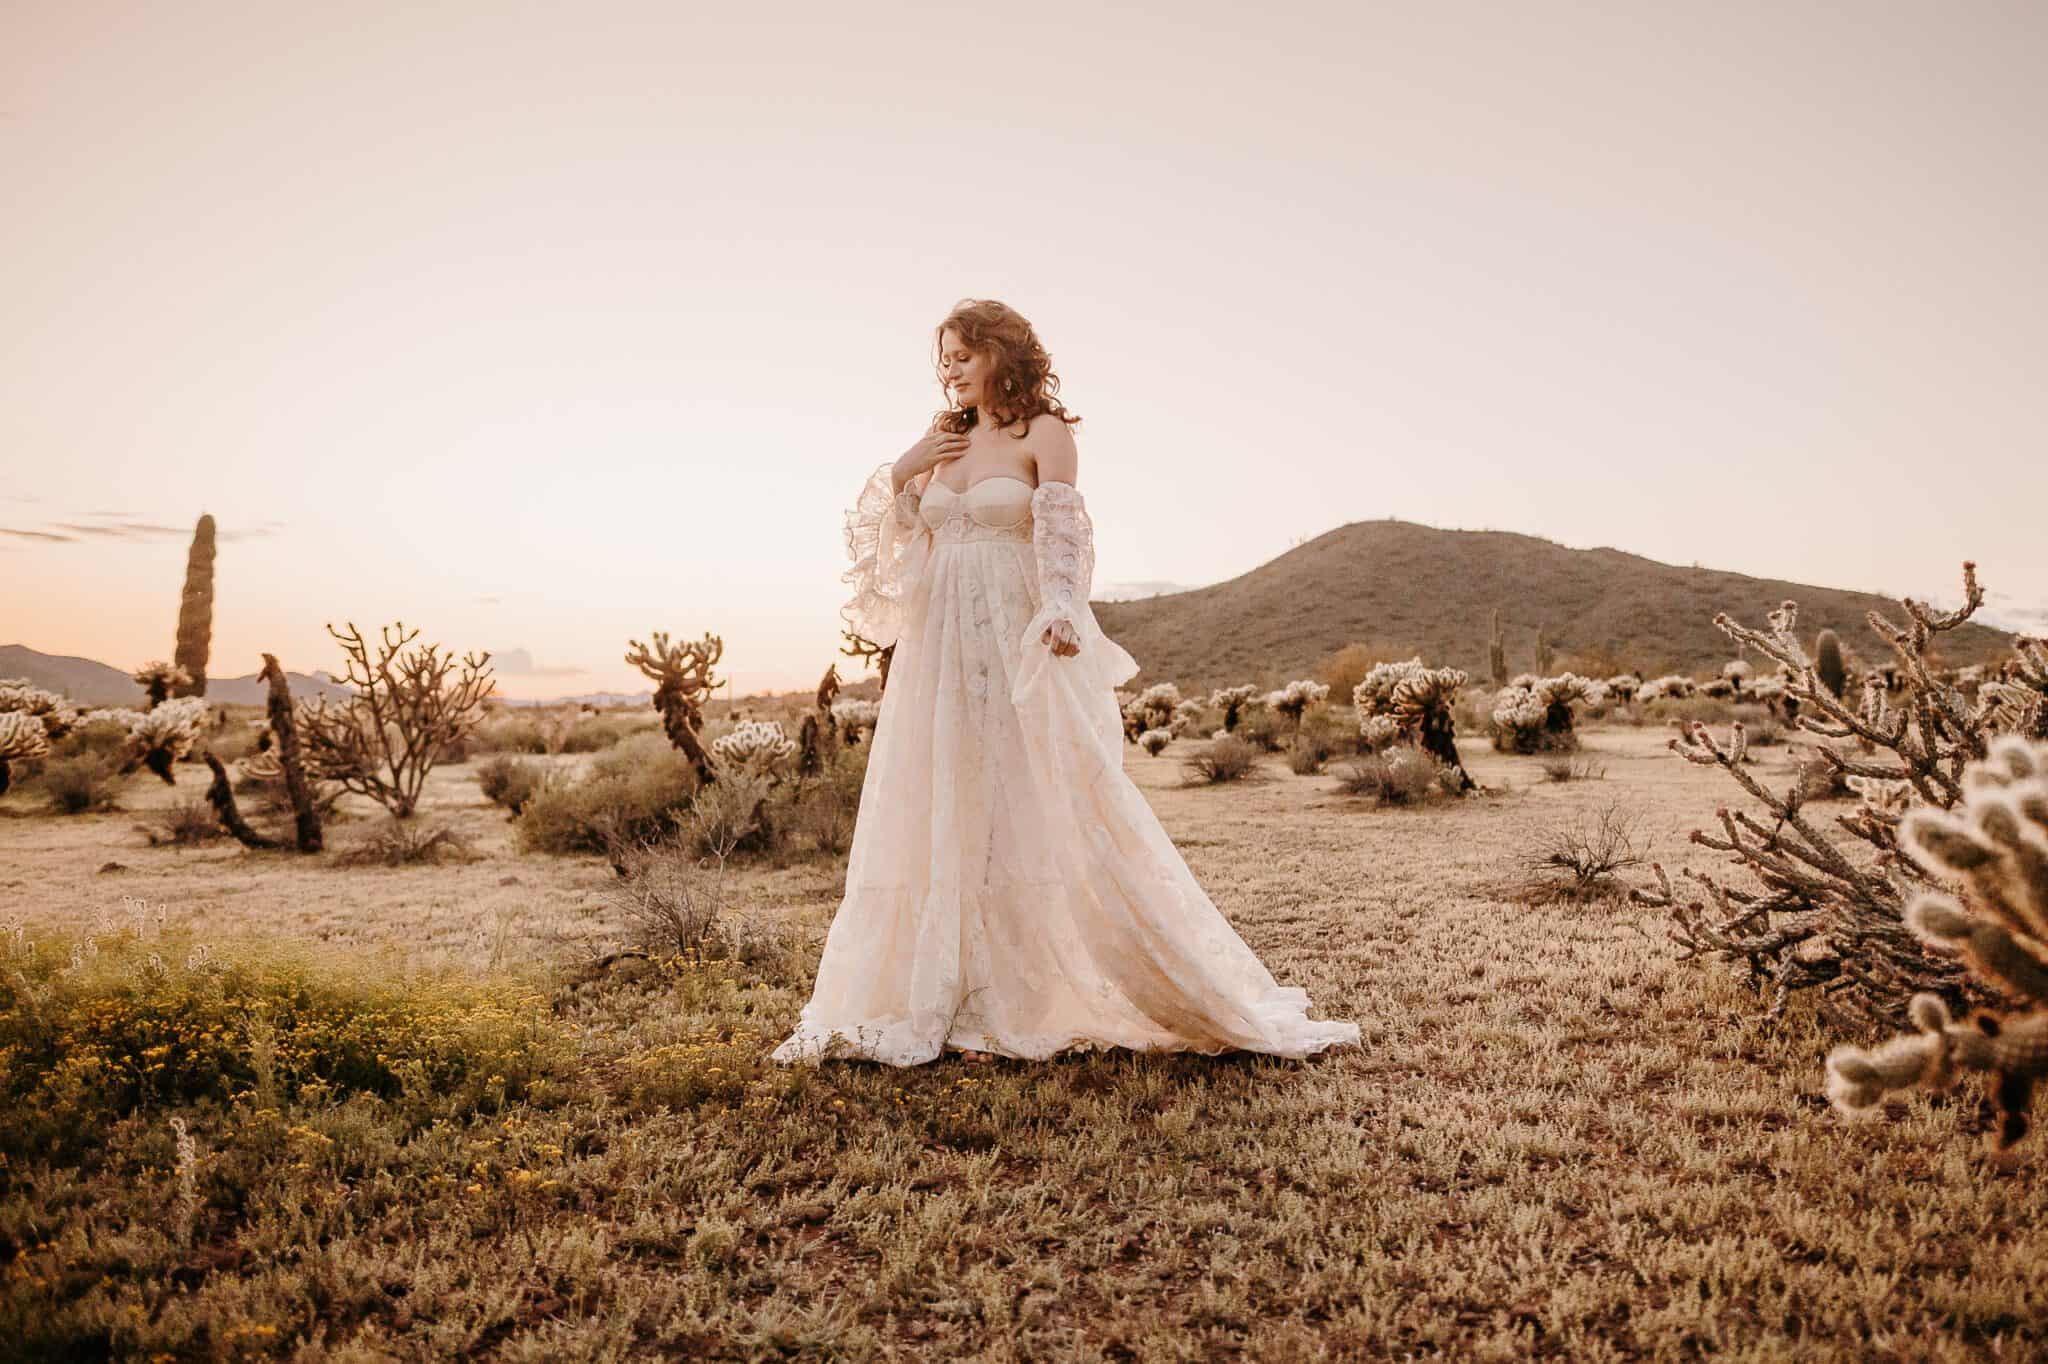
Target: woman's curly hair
x=1022 y=369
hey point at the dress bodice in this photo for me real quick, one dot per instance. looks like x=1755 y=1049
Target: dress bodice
x=996 y=507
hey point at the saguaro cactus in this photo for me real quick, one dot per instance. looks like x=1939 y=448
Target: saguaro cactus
x=1497 y=653
x=195 y=612
x=1827 y=661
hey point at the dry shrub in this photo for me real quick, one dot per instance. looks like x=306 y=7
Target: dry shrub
x=825 y=811
x=1229 y=758
x=1264 y=728
x=675 y=903
x=1325 y=732
x=639 y=790
x=1345 y=669
x=81 y=784
x=188 y=822
x=1578 y=861
x=401 y=843
x=1563 y=769
x=510 y=782
x=1399 y=774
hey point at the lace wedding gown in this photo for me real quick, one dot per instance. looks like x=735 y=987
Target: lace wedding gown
x=1009 y=890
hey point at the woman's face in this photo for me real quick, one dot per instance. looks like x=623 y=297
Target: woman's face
x=968 y=373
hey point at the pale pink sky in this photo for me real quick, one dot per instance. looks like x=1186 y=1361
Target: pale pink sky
x=546 y=326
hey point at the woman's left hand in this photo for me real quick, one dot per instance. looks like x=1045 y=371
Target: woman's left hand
x=1060 y=635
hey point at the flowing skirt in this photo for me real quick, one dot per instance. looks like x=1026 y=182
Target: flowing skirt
x=1009 y=889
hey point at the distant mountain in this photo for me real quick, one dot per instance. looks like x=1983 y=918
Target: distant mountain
x=589 y=698
x=96 y=684
x=1416 y=589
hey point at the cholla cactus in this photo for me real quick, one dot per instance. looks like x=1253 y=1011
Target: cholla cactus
x=1820 y=917
x=165 y=734
x=1233 y=700
x=1670 y=687
x=1623 y=687
x=1738 y=671
x=1538 y=718
x=855 y=717
x=1412 y=702
x=112 y=717
x=21 y=736
x=2018 y=699
x=757 y=744
x=1152 y=708
x=56 y=715
x=1154 y=740
x=157 y=677
x=1296 y=697
x=1995 y=844
x=1186 y=716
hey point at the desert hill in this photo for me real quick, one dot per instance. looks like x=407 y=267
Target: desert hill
x=1416 y=589
x=95 y=684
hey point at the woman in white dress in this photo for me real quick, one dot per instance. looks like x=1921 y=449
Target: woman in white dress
x=1009 y=890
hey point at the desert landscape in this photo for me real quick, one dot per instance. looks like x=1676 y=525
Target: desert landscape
x=630 y=634
x=491 y=1079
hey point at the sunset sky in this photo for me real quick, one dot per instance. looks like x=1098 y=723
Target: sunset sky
x=546 y=326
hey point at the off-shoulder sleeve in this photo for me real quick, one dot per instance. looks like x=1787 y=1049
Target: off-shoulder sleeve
x=889 y=544
x=1063 y=544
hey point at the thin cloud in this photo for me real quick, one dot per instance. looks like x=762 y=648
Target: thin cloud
x=256 y=532
x=489 y=601
x=122 y=530
x=519 y=663
x=36 y=535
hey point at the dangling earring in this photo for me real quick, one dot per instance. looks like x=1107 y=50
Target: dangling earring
x=1009 y=385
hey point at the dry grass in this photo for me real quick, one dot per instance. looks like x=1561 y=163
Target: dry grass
x=1556 y=1142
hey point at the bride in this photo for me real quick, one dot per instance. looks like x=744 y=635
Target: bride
x=1009 y=890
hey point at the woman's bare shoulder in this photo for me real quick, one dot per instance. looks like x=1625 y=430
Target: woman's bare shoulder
x=1052 y=448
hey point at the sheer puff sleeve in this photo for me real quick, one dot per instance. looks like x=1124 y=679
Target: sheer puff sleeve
x=889 y=544
x=1063 y=543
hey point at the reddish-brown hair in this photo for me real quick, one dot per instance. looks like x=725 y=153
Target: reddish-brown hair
x=1021 y=369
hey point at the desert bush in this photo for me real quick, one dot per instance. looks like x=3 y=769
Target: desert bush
x=1341 y=672
x=1566 y=769
x=733 y=815
x=81 y=784
x=1154 y=741
x=1306 y=759
x=639 y=789
x=1993 y=847
x=510 y=782
x=1264 y=729
x=1535 y=714
x=1399 y=774
x=187 y=822
x=1821 y=918
x=1578 y=861
x=401 y=843
x=1324 y=733
x=827 y=808
x=125 y=1021
x=407 y=707
x=510 y=731
x=1229 y=758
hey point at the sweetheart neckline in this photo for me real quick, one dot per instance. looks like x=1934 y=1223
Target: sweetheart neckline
x=962 y=492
